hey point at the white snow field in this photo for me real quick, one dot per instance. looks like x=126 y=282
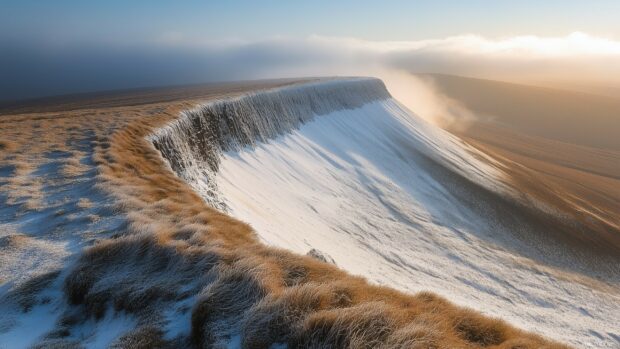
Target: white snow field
x=408 y=205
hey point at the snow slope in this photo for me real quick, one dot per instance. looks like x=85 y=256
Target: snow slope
x=395 y=199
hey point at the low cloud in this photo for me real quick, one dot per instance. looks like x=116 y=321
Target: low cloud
x=32 y=70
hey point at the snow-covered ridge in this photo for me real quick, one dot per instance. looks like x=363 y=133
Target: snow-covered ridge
x=341 y=167
x=193 y=143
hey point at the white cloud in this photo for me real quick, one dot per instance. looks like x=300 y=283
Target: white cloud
x=174 y=58
x=577 y=57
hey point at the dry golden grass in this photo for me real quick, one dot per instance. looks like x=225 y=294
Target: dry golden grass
x=6 y=147
x=85 y=203
x=177 y=247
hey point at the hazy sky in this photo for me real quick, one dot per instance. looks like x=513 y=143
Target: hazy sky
x=118 y=20
x=62 y=46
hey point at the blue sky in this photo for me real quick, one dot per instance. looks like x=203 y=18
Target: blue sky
x=68 y=46
x=130 y=21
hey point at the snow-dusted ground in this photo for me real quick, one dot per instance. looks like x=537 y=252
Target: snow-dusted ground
x=47 y=215
x=358 y=185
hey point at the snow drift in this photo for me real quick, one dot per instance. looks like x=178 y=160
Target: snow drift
x=340 y=167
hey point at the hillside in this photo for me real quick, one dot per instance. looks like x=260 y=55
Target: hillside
x=121 y=213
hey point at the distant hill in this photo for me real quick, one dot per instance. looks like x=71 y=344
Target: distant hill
x=561 y=147
x=568 y=116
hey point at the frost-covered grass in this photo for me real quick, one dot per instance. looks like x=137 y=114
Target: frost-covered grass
x=47 y=180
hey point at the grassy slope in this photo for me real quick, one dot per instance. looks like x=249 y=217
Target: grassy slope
x=559 y=146
x=571 y=117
